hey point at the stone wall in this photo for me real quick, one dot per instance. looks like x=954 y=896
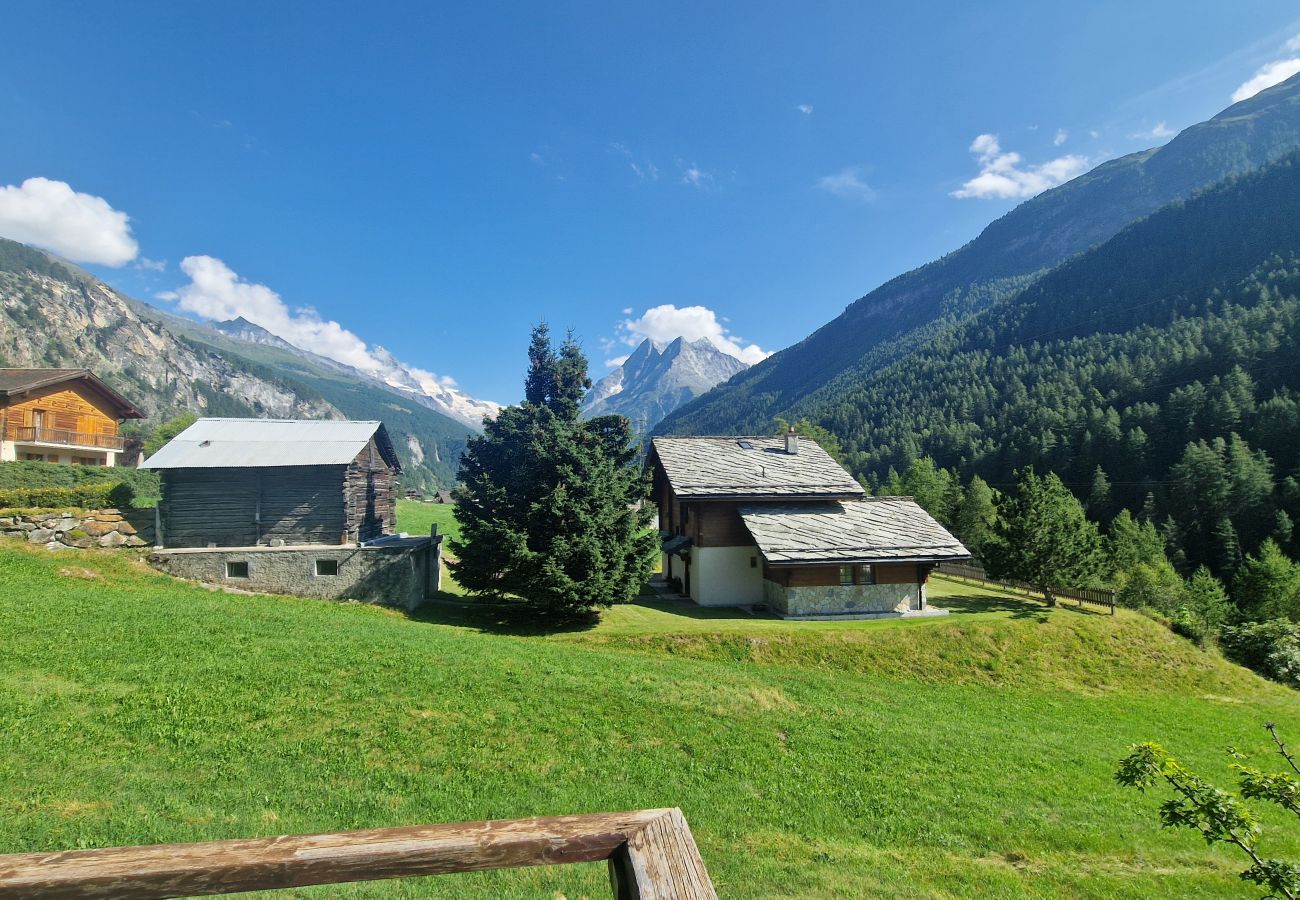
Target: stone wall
x=846 y=600
x=54 y=529
x=399 y=572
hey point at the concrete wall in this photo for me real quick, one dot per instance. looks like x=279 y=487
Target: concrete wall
x=855 y=599
x=398 y=572
x=726 y=576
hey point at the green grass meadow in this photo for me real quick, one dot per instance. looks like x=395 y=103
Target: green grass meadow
x=967 y=756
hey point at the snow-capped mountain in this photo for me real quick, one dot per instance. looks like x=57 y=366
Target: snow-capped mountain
x=656 y=379
x=438 y=394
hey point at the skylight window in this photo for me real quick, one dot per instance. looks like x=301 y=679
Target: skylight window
x=745 y=445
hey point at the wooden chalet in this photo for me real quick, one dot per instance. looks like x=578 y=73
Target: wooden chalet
x=777 y=522
x=250 y=482
x=62 y=416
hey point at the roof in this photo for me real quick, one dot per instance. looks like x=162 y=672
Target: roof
x=873 y=529
x=723 y=468
x=15 y=383
x=266 y=443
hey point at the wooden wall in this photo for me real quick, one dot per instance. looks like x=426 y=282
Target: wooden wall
x=69 y=406
x=370 y=495
x=244 y=507
x=717 y=524
x=829 y=575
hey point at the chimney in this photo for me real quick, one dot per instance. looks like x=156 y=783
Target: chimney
x=792 y=442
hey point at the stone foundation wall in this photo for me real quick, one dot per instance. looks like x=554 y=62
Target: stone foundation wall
x=92 y=528
x=840 y=599
x=399 y=572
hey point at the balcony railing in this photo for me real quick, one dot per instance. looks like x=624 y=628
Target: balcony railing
x=67 y=438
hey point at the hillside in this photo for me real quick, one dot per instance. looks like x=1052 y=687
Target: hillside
x=1009 y=254
x=970 y=757
x=656 y=379
x=1165 y=356
x=52 y=314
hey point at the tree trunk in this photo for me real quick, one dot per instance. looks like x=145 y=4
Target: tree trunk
x=1048 y=597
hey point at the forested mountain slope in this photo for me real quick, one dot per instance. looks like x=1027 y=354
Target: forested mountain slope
x=1165 y=356
x=1012 y=251
x=54 y=314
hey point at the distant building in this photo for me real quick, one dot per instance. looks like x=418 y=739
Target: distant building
x=291 y=506
x=446 y=497
x=776 y=521
x=62 y=416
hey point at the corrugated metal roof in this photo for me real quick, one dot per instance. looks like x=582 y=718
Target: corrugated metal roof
x=265 y=443
x=722 y=468
x=873 y=529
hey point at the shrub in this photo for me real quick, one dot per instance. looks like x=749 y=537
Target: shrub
x=141 y=486
x=1271 y=648
x=89 y=495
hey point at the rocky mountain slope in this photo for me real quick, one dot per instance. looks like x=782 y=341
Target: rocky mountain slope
x=1009 y=254
x=54 y=314
x=656 y=379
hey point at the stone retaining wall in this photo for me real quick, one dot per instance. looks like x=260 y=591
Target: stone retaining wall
x=845 y=600
x=55 y=529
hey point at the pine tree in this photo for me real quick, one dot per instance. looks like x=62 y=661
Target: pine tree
x=1268 y=585
x=1099 y=499
x=1130 y=542
x=551 y=510
x=1043 y=537
x=976 y=516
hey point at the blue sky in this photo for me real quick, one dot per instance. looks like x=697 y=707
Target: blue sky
x=434 y=179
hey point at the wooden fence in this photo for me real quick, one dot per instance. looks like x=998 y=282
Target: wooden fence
x=651 y=856
x=965 y=572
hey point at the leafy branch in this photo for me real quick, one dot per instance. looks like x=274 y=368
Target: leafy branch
x=1217 y=815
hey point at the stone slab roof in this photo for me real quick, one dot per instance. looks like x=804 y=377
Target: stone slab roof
x=870 y=530
x=258 y=443
x=724 y=468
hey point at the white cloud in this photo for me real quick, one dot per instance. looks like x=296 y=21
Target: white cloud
x=1293 y=44
x=82 y=227
x=1275 y=72
x=1002 y=175
x=1094 y=134
x=666 y=323
x=848 y=183
x=151 y=265
x=1159 y=133
x=616 y=361
x=805 y=108
x=1061 y=137
x=696 y=177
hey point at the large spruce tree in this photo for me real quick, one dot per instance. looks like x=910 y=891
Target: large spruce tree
x=550 y=507
x=1044 y=538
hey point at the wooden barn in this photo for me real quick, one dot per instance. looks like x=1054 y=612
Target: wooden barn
x=276 y=482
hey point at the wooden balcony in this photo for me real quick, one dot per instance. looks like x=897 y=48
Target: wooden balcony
x=66 y=438
x=651 y=856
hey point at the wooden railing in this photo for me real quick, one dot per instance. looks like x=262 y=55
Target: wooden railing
x=651 y=855
x=70 y=438
x=1093 y=596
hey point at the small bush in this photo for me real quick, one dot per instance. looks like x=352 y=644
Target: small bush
x=1191 y=626
x=139 y=487
x=86 y=496
x=1271 y=648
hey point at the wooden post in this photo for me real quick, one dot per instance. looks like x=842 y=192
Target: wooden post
x=652 y=854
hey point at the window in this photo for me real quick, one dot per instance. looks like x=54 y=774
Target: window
x=236 y=569
x=846 y=575
x=866 y=575
x=327 y=567
x=34 y=457
x=753 y=562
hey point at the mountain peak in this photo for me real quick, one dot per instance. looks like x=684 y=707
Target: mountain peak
x=657 y=378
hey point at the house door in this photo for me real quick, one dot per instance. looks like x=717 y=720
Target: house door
x=686 y=582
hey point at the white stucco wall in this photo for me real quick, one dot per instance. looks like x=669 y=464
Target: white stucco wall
x=724 y=576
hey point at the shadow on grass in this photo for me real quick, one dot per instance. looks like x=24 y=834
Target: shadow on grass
x=1017 y=607
x=500 y=617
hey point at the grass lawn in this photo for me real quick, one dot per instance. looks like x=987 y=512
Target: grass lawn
x=967 y=756
x=415 y=517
